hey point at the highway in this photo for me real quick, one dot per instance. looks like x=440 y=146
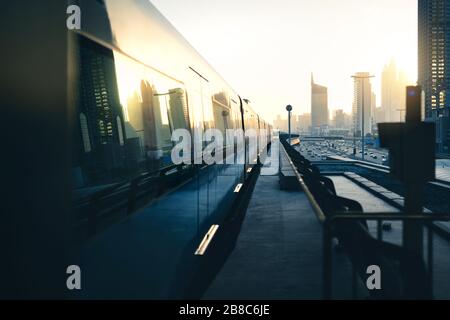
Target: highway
x=320 y=150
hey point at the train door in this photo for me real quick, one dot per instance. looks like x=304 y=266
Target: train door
x=201 y=120
x=239 y=150
x=208 y=172
x=225 y=179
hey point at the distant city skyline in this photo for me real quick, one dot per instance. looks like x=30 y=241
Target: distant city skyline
x=267 y=49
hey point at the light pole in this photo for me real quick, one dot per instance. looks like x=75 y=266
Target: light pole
x=289 y=109
x=362 y=77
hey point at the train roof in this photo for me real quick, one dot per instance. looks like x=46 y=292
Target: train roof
x=132 y=27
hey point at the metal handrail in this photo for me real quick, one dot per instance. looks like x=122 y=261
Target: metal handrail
x=327 y=222
x=357 y=215
x=389 y=216
x=317 y=210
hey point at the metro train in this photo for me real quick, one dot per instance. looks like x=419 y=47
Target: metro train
x=129 y=217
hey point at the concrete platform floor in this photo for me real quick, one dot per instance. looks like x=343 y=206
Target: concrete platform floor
x=278 y=254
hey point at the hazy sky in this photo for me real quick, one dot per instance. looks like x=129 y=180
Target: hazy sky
x=267 y=49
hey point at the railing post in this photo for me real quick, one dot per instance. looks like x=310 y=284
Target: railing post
x=354 y=281
x=327 y=262
x=380 y=230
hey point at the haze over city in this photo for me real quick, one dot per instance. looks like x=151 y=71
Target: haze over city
x=267 y=49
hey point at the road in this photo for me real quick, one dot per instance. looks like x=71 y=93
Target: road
x=319 y=150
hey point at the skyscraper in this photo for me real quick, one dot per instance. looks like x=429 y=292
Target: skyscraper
x=434 y=70
x=319 y=105
x=280 y=123
x=373 y=107
x=339 y=119
x=304 y=122
x=393 y=93
x=179 y=112
x=362 y=94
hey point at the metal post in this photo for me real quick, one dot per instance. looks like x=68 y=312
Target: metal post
x=411 y=147
x=289 y=109
x=362 y=77
x=414 y=198
x=362 y=122
x=289 y=124
x=412 y=230
x=380 y=230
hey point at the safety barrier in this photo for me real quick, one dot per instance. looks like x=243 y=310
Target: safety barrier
x=405 y=274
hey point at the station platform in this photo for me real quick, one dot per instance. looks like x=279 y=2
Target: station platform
x=278 y=252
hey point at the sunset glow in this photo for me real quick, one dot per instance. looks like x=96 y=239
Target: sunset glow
x=268 y=49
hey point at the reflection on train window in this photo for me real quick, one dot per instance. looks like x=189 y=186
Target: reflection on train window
x=99 y=147
x=154 y=105
x=123 y=121
x=195 y=107
x=221 y=97
x=126 y=115
x=221 y=117
x=208 y=116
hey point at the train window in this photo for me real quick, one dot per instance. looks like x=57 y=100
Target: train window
x=195 y=100
x=154 y=105
x=221 y=117
x=100 y=117
x=221 y=97
x=178 y=108
x=195 y=110
x=126 y=113
x=208 y=115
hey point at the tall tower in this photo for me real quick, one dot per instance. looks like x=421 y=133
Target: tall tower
x=393 y=93
x=362 y=90
x=319 y=105
x=434 y=71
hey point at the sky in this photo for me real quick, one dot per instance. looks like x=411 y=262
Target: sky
x=267 y=49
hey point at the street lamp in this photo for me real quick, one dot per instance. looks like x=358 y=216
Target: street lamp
x=289 y=109
x=362 y=77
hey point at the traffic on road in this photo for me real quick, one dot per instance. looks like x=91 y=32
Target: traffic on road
x=321 y=150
